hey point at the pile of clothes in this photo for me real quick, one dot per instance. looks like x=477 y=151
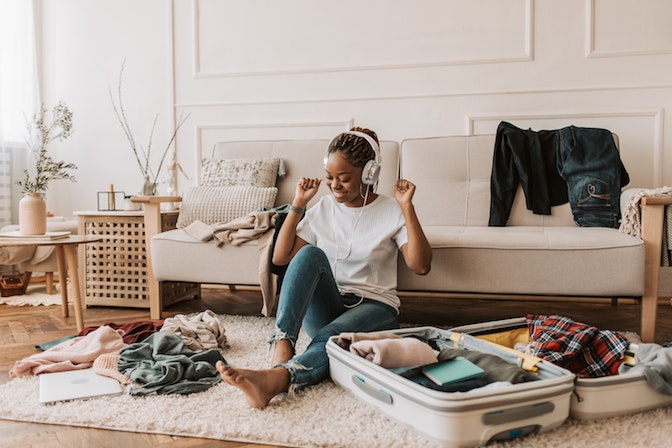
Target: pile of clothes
x=173 y=356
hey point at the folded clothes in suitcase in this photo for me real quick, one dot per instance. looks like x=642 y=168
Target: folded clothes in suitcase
x=593 y=398
x=458 y=419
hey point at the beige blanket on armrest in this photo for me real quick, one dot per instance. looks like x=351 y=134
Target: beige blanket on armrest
x=257 y=225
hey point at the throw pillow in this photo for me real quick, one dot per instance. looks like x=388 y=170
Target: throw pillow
x=228 y=172
x=213 y=205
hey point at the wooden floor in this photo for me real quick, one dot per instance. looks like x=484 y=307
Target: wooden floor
x=22 y=327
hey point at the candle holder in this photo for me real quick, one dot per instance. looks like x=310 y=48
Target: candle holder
x=109 y=201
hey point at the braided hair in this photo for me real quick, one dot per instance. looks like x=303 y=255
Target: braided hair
x=355 y=149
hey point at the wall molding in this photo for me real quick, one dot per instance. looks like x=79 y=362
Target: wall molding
x=591 y=52
x=342 y=99
x=527 y=54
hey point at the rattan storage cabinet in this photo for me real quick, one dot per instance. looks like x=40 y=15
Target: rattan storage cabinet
x=114 y=270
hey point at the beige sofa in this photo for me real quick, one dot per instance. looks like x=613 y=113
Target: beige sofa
x=534 y=256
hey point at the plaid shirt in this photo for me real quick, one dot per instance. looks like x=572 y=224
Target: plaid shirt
x=582 y=349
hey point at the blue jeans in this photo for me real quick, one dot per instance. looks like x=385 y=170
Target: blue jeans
x=310 y=297
x=589 y=161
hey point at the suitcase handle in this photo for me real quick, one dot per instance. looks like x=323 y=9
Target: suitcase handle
x=517 y=414
x=378 y=394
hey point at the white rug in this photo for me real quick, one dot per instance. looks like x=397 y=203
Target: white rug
x=36 y=295
x=321 y=416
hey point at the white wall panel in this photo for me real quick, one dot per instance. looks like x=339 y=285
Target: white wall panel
x=262 y=37
x=626 y=28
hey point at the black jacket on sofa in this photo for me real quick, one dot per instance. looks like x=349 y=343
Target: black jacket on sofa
x=573 y=164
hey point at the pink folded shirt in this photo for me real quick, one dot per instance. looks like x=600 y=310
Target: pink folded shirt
x=395 y=353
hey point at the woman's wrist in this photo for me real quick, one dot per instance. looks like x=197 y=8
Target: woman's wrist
x=299 y=210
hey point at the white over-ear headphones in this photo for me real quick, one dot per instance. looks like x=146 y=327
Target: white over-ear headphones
x=371 y=170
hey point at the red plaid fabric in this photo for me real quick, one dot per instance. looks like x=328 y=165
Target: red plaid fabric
x=580 y=348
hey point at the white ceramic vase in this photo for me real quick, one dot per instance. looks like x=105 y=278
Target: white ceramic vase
x=32 y=214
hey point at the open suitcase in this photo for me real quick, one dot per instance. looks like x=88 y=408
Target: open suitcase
x=593 y=397
x=458 y=419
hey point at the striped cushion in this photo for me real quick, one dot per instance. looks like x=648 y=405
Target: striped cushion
x=213 y=205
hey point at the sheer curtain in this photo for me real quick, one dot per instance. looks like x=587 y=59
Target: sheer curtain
x=18 y=95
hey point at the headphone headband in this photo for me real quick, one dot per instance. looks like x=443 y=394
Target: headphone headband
x=372 y=143
x=371 y=170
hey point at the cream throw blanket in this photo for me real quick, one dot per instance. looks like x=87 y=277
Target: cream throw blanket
x=202 y=331
x=257 y=225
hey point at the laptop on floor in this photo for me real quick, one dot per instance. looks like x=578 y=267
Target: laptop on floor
x=76 y=385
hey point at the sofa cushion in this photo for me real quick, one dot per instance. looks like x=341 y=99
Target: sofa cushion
x=213 y=205
x=181 y=257
x=529 y=237
x=230 y=172
x=551 y=261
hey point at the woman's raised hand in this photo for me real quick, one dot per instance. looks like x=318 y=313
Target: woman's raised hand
x=403 y=191
x=306 y=189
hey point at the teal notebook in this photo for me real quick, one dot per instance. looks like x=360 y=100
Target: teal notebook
x=452 y=370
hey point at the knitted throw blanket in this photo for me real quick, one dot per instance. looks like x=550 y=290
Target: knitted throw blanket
x=631 y=222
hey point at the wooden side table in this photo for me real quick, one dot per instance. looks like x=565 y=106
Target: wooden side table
x=66 y=249
x=116 y=270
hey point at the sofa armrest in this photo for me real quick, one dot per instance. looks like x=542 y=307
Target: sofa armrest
x=653 y=210
x=152 y=207
x=152 y=218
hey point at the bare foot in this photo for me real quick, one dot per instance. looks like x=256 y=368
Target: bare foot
x=259 y=386
x=282 y=352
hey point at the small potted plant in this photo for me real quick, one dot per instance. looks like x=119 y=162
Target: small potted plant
x=35 y=183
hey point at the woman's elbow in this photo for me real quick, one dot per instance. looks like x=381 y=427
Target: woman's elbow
x=279 y=260
x=419 y=262
x=422 y=267
x=423 y=270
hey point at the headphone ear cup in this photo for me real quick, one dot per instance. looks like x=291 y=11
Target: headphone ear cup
x=370 y=173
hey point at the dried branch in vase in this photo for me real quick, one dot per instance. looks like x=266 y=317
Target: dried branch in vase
x=142 y=155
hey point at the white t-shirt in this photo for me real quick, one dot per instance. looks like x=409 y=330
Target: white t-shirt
x=361 y=243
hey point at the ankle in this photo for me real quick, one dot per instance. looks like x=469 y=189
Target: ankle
x=283 y=351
